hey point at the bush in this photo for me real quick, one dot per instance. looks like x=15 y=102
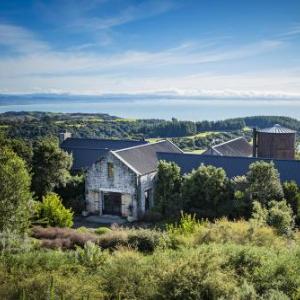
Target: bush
x=65 y=238
x=90 y=256
x=145 y=240
x=281 y=217
x=113 y=240
x=53 y=212
x=102 y=230
x=278 y=215
x=207 y=192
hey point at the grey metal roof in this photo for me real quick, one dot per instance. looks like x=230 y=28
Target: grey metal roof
x=276 y=129
x=235 y=147
x=143 y=159
x=87 y=151
x=99 y=143
x=234 y=166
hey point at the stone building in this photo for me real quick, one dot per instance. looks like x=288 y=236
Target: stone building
x=121 y=182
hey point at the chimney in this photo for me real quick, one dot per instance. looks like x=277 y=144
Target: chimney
x=64 y=135
x=254 y=142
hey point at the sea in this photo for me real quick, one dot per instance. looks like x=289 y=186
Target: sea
x=154 y=108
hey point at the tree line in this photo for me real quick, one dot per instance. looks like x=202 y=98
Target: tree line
x=208 y=193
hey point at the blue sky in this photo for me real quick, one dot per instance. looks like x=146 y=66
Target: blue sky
x=207 y=48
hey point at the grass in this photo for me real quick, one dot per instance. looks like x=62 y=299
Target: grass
x=195 y=151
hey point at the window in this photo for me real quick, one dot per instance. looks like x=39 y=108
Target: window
x=148 y=195
x=110 y=170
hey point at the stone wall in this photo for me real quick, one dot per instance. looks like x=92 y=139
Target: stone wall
x=124 y=181
x=146 y=183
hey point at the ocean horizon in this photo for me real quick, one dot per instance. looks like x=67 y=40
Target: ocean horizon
x=157 y=108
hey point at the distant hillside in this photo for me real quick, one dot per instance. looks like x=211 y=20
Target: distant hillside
x=31 y=125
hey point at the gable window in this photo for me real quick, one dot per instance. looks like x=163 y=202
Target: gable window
x=110 y=170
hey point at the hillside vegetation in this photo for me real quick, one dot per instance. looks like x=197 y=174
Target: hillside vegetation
x=186 y=134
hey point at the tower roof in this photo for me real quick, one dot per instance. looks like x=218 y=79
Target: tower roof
x=276 y=129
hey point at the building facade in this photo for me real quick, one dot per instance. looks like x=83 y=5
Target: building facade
x=122 y=182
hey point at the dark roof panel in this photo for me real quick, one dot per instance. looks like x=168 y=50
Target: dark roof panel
x=99 y=143
x=84 y=158
x=88 y=151
x=235 y=147
x=143 y=159
x=234 y=166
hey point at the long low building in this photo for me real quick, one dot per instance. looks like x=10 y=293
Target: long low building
x=233 y=166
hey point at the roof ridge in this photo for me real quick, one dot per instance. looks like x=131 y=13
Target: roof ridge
x=139 y=146
x=101 y=139
x=238 y=138
x=237 y=157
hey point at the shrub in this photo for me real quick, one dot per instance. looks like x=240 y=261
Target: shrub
x=52 y=210
x=113 y=239
x=168 y=189
x=145 y=240
x=65 y=238
x=83 y=229
x=281 y=217
x=264 y=182
x=207 y=192
x=278 y=215
x=90 y=256
x=102 y=230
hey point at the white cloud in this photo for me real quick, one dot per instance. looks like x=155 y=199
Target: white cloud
x=20 y=40
x=39 y=68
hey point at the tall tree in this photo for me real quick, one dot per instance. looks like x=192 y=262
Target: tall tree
x=207 y=192
x=264 y=182
x=50 y=167
x=168 y=189
x=14 y=191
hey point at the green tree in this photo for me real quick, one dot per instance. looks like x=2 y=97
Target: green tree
x=263 y=182
x=278 y=214
x=50 y=167
x=292 y=195
x=52 y=211
x=14 y=192
x=281 y=217
x=168 y=189
x=22 y=148
x=207 y=191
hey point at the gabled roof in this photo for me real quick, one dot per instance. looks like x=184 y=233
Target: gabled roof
x=143 y=159
x=235 y=147
x=234 y=166
x=87 y=151
x=276 y=129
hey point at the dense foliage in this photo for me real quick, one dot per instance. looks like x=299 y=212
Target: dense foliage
x=189 y=260
x=50 y=167
x=52 y=212
x=15 y=193
x=168 y=189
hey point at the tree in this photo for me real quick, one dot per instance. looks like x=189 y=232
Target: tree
x=207 y=191
x=20 y=147
x=14 y=192
x=168 y=189
x=292 y=196
x=50 y=166
x=263 y=182
x=52 y=211
x=278 y=214
x=281 y=217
